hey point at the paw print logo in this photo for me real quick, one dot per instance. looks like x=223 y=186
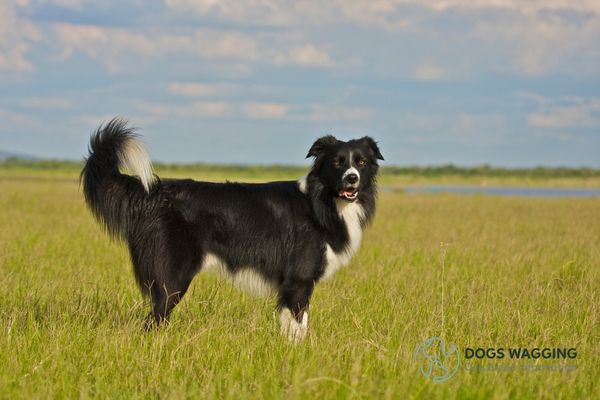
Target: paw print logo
x=436 y=362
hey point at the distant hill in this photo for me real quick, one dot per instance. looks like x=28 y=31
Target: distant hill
x=4 y=155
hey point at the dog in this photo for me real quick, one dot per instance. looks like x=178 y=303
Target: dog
x=277 y=238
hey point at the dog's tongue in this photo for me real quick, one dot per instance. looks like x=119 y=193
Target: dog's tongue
x=346 y=193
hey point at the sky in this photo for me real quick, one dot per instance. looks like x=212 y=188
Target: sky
x=469 y=82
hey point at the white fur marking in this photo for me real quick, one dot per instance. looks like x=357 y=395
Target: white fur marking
x=213 y=263
x=351 y=170
x=253 y=283
x=134 y=158
x=351 y=214
x=302 y=185
x=295 y=331
x=246 y=279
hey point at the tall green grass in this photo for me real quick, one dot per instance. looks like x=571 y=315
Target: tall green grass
x=518 y=272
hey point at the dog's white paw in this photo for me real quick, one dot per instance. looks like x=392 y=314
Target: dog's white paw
x=295 y=331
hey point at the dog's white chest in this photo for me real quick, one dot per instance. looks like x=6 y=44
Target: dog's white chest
x=351 y=214
x=246 y=279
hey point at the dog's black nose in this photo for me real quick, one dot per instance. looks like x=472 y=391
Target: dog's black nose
x=352 y=178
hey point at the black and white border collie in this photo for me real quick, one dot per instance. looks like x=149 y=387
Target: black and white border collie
x=278 y=237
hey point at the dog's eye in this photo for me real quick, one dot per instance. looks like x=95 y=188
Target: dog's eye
x=338 y=162
x=361 y=163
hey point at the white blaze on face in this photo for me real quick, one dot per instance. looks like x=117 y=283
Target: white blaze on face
x=351 y=170
x=350 y=191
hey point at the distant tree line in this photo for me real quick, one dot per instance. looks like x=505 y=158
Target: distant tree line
x=275 y=169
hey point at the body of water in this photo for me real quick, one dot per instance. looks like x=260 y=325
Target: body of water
x=506 y=191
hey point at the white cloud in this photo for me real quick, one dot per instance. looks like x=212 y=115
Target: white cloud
x=204 y=109
x=114 y=47
x=16 y=37
x=225 y=45
x=45 y=103
x=10 y=117
x=102 y=44
x=477 y=128
x=535 y=45
x=93 y=120
x=529 y=6
x=153 y=111
x=191 y=89
x=393 y=15
x=486 y=129
x=148 y=113
x=307 y=55
x=69 y=4
x=382 y=14
x=313 y=113
x=284 y=13
x=265 y=110
x=321 y=113
x=259 y=12
x=430 y=72
x=221 y=89
x=566 y=113
x=532 y=37
x=120 y=48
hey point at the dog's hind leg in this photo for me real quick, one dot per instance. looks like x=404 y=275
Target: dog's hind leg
x=165 y=294
x=166 y=277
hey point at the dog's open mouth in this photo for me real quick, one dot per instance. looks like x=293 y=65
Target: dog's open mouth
x=349 y=193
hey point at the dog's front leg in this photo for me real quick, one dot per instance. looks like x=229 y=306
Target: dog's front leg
x=294 y=297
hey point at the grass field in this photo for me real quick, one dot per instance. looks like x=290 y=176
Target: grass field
x=518 y=272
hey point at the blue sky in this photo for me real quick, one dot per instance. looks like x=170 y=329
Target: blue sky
x=504 y=82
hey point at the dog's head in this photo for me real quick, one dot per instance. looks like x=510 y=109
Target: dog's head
x=344 y=169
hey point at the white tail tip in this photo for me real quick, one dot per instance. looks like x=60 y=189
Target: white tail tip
x=135 y=159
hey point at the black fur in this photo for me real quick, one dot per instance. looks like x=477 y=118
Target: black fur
x=274 y=228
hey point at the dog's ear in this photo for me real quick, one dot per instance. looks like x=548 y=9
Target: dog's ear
x=373 y=146
x=320 y=146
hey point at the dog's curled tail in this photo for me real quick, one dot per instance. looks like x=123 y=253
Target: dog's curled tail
x=117 y=200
